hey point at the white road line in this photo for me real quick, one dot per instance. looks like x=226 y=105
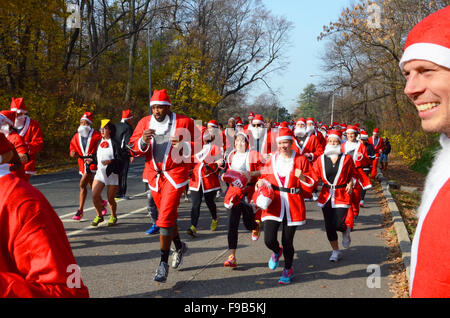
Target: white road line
x=105 y=224
x=51 y=182
x=93 y=208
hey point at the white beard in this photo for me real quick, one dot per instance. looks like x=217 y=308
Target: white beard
x=161 y=128
x=300 y=132
x=332 y=151
x=309 y=129
x=257 y=132
x=350 y=146
x=84 y=131
x=284 y=166
x=20 y=122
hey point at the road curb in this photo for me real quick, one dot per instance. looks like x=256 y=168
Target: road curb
x=399 y=226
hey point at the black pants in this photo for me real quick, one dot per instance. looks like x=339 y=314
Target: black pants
x=287 y=239
x=233 y=222
x=334 y=220
x=123 y=176
x=210 y=199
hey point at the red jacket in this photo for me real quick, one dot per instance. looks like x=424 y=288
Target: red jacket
x=206 y=171
x=377 y=147
x=311 y=145
x=36 y=257
x=339 y=197
x=32 y=135
x=92 y=144
x=293 y=204
x=21 y=149
x=174 y=167
x=360 y=159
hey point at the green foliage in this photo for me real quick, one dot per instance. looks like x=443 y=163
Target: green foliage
x=308 y=103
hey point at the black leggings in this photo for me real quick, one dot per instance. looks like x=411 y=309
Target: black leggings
x=196 y=197
x=334 y=220
x=233 y=223
x=287 y=239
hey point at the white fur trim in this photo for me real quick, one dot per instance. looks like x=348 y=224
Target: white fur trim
x=263 y=202
x=164 y=103
x=435 y=53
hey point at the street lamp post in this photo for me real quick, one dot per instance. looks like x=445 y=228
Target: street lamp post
x=149 y=45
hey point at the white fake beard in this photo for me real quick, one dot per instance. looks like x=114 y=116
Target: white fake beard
x=350 y=146
x=257 y=132
x=84 y=131
x=300 y=132
x=309 y=129
x=284 y=166
x=332 y=150
x=324 y=133
x=161 y=128
x=20 y=122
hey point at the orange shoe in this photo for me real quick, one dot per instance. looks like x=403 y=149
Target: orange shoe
x=230 y=262
x=257 y=232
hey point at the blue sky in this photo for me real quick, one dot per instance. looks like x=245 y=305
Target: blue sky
x=308 y=18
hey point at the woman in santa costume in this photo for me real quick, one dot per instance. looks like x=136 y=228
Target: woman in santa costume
x=109 y=160
x=84 y=146
x=205 y=181
x=166 y=140
x=7 y=118
x=337 y=172
x=36 y=258
x=357 y=150
x=30 y=131
x=287 y=173
x=426 y=66
x=238 y=198
x=378 y=144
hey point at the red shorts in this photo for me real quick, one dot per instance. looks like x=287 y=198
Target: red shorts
x=167 y=200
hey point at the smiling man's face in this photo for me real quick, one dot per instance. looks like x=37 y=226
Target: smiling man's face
x=428 y=87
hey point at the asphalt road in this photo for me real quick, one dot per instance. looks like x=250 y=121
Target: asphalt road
x=121 y=261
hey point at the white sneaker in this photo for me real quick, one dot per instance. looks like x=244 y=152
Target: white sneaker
x=315 y=197
x=346 y=240
x=335 y=256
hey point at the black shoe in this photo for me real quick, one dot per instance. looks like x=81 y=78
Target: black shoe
x=162 y=272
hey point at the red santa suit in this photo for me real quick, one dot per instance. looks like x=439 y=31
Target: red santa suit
x=264 y=141
x=292 y=203
x=206 y=172
x=311 y=145
x=93 y=140
x=378 y=146
x=167 y=179
x=335 y=191
x=31 y=134
x=360 y=159
x=430 y=252
x=36 y=257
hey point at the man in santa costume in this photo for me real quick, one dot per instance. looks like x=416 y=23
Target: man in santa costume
x=260 y=137
x=31 y=132
x=7 y=118
x=426 y=66
x=306 y=142
x=84 y=147
x=378 y=145
x=311 y=128
x=167 y=141
x=287 y=172
x=357 y=150
x=36 y=258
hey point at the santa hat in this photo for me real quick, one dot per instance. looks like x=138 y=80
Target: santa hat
x=364 y=135
x=301 y=120
x=310 y=121
x=352 y=128
x=18 y=105
x=429 y=40
x=9 y=116
x=376 y=131
x=87 y=116
x=213 y=123
x=126 y=114
x=284 y=124
x=160 y=98
x=233 y=197
x=285 y=134
x=324 y=127
x=251 y=115
x=258 y=119
x=238 y=119
x=335 y=133
x=239 y=123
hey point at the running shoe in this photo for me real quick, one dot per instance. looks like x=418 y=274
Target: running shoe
x=153 y=230
x=346 y=239
x=335 y=256
x=112 y=221
x=361 y=203
x=162 y=272
x=257 y=231
x=274 y=259
x=286 y=277
x=315 y=197
x=177 y=256
x=78 y=215
x=104 y=203
x=214 y=224
x=97 y=220
x=192 y=231
x=230 y=262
